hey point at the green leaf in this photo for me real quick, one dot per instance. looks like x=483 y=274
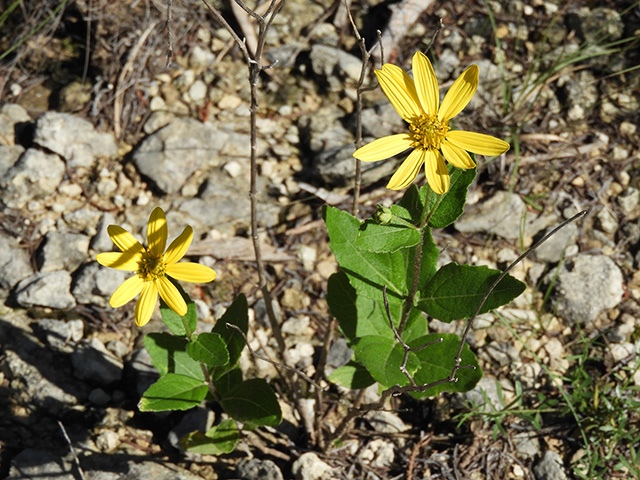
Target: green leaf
x=169 y=355
x=455 y=291
x=436 y=363
x=453 y=200
x=175 y=322
x=367 y=271
x=359 y=316
x=236 y=314
x=382 y=357
x=253 y=403
x=374 y=237
x=352 y=375
x=227 y=381
x=210 y=349
x=412 y=202
x=222 y=438
x=173 y=392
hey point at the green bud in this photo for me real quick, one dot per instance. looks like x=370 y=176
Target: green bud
x=383 y=215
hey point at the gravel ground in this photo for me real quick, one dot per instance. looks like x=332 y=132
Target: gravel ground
x=96 y=129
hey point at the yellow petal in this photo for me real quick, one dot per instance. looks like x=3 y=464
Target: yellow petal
x=171 y=296
x=191 y=272
x=120 y=261
x=457 y=156
x=157 y=232
x=400 y=90
x=124 y=240
x=477 y=142
x=426 y=83
x=459 y=95
x=146 y=304
x=126 y=291
x=384 y=148
x=408 y=170
x=436 y=172
x=179 y=246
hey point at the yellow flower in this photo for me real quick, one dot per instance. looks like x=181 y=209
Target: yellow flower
x=152 y=266
x=416 y=101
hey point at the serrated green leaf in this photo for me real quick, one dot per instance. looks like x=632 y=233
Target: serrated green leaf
x=352 y=375
x=368 y=272
x=210 y=349
x=436 y=362
x=236 y=314
x=359 y=316
x=253 y=403
x=222 y=438
x=451 y=203
x=169 y=355
x=175 y=322
x=382 y=357
x=377 y=238
x=455 y=291
x=173 y=392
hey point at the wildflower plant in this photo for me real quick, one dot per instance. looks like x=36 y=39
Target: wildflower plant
x=192 y=367
x=388 y=278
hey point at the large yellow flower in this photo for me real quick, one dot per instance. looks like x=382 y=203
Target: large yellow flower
x=152 y=266
x=416 y=101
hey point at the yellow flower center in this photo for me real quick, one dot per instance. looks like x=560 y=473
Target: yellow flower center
x=428 y=132
x=151 y=267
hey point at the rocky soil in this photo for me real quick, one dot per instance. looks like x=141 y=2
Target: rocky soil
x=95 y=129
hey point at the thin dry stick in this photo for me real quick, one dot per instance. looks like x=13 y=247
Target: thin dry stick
x=255 y=66
x=169 y=32
x=73 y=452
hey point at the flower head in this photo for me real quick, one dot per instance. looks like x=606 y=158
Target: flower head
x=152 y=266
x=417 y=102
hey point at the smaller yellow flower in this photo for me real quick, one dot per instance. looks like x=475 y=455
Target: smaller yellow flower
x=152 y=266
x=417 y=101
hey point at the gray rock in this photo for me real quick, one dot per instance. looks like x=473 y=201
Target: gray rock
x=550 y=467
x=586 y=286
x=35 y=175
x=504 y=353
x=599 y=21
x=171 y=155
x=101 y=242
x=60 y=334
x=94 y=284
x=106 y=466
x=73 y=138
x=82 y=220
x=527 y=445
x=382 y=120
x=15 y=264
x=92 y=361
x=143 y=370
x=331 y=62
x=33 y=463
x=485 y=392
x=339 y=353
x=309 y=467
x=37 y=376
x=62 y=251
x=553 y=248
x=255 y=469
x=502 y=215
x=9 y=155
x=48 y=289
x=581 y=94
x=12 y=120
